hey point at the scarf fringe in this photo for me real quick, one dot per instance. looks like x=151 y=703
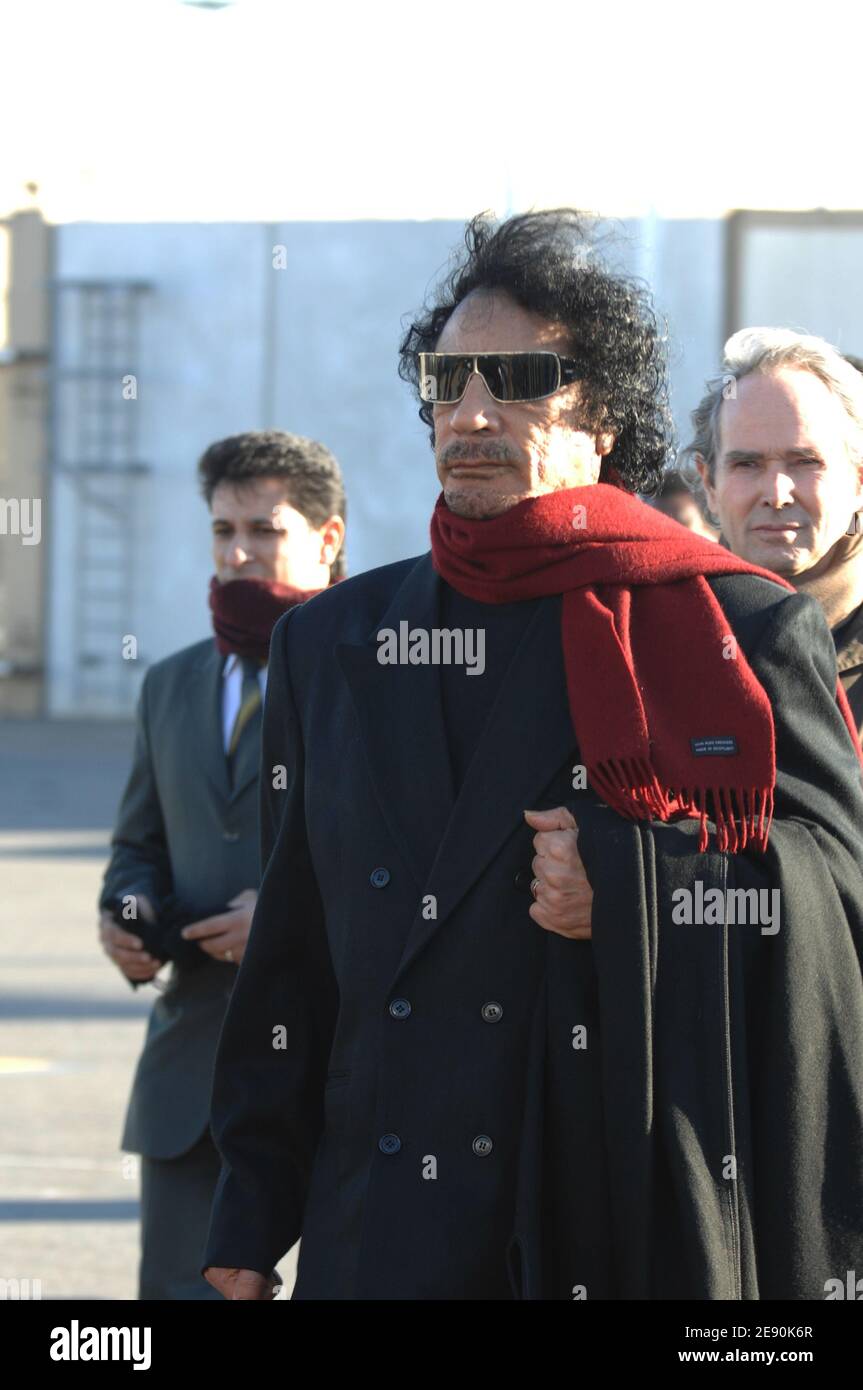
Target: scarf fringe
x=742 y=816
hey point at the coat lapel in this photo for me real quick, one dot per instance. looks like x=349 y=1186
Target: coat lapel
x=204 y=714
x=447 y=843
x=399 y=712
x=527 y=739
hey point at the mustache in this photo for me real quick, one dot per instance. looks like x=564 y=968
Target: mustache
x=488 y=452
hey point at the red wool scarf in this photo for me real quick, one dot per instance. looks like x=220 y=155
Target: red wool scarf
x=245 y=611
x=669 y=716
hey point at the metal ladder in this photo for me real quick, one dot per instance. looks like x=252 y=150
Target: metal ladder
x=95 y=433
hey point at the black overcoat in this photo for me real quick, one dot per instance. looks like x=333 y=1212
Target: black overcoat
x=445 y=1100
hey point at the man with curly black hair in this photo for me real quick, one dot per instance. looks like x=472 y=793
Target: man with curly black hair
x=442 y=1100
x=546 y=265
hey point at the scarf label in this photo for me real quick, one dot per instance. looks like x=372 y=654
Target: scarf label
x=717 y=747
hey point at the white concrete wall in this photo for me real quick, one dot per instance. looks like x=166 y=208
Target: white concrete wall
x=810 y=282
x=230 y=343
x=683 y=262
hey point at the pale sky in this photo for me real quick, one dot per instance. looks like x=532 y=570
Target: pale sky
x=130 y=110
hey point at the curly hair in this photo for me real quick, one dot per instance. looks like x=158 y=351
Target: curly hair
x=547 y=263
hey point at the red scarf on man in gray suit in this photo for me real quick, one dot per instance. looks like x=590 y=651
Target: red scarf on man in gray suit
x=245 y=611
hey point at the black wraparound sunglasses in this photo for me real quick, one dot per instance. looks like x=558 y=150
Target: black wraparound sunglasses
x=509 y=376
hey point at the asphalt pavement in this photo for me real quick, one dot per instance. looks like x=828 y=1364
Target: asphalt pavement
x=71 y=1028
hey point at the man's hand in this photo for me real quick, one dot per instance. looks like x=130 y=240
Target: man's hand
x=224 y=937
x=127 y=950
x=245 y=1285
x=563 y=896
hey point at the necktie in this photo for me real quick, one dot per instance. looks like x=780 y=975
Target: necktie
x=250 y=701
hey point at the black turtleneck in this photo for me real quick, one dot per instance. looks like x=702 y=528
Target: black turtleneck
x=467 y=699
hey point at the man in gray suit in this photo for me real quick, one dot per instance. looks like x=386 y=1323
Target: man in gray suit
x=185 y=847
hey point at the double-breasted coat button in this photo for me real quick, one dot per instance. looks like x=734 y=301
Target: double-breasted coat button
x=389 y=1143
x=400 y=1008
x=523 y=880
x=482 y=1145
x=492 y=1011
x=379 y=878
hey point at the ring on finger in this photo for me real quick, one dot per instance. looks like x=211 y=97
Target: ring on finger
x=533 y=887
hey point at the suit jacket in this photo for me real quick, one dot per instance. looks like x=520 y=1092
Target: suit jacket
x=181 y=828
x=384 y=1075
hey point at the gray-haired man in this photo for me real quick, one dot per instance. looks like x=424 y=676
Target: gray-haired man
x=778 y=447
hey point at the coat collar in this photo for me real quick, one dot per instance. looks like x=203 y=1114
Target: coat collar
x=448 y=841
